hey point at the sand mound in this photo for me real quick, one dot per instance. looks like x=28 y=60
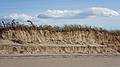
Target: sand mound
x=58 y=40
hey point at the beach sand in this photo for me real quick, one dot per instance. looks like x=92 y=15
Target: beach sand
x=81 y=61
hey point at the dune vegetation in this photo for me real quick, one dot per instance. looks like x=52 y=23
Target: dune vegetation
x=21 y=39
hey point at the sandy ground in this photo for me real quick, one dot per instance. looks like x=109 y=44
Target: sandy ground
x=82 y=61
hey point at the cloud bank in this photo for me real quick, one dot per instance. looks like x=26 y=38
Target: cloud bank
x=17 y=17
x=65 y=14
x=78 y=14
x=104 y=11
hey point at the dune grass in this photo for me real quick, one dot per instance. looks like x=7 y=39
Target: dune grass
x=13 y=25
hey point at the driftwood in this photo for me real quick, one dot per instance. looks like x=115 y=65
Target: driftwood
x=31 y=23
x=3 y=24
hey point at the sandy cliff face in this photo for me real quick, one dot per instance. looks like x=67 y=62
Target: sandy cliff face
x=71 y=37
x=58 y=42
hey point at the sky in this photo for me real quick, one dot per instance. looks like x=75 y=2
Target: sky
x=100 y=13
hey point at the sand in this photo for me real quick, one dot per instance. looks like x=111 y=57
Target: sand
x=82 y=61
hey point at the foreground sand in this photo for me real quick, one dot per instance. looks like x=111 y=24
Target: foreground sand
x=78 y=61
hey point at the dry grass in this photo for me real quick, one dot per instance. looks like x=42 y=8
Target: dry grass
x=98 y=32
x=65 y=35
x=66 y=28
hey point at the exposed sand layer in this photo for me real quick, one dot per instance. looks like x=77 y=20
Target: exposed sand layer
x=58 y=49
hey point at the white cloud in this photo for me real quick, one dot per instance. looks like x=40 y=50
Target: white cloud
x=104 y=11
x=23 y=17
x=59 y=14
x=75 y=14
x=17 y=17
x=64 y=14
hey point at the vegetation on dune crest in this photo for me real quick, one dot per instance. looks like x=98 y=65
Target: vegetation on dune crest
x=68 y=39
x=13 y=25
x=86 y=32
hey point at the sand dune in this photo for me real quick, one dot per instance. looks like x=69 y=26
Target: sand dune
x=70 y=39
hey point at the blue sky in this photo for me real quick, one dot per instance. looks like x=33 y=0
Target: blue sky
x=35 y=7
